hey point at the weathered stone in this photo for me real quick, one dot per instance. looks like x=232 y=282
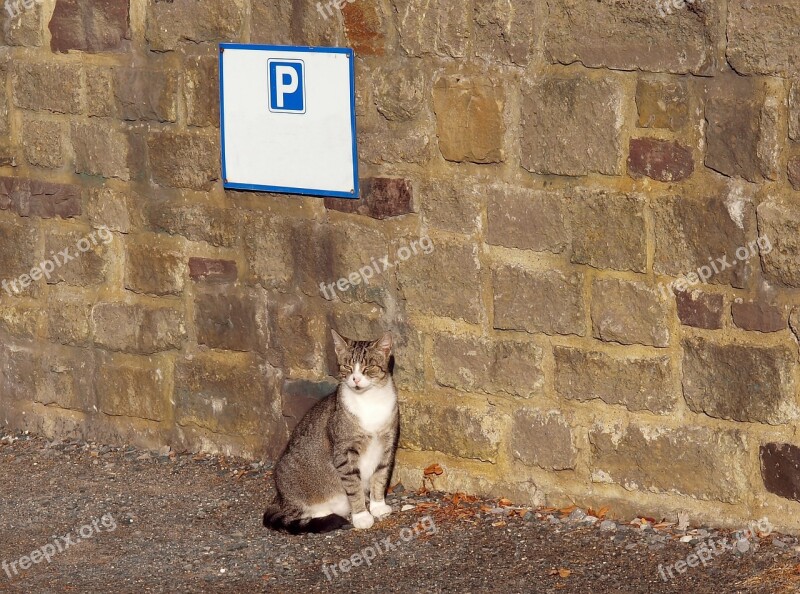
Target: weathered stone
x=493 y=367
x=42 y=143
x=19 y=320
x=108 y=208
x=299 y=336
x=147 y=94
x=543 y=439
x=224 y=395
x=399 y=91
x=231 y=319
x=396 y=142
x=47 y=87
x=691 y=234
x=101 y=148
x=571 y=126
x=184 y=159
x=132 y=386
x=381 y=198
x=68 y=318
x=627 y=36
x=455 y=429
x=137 y=328
x=195 y=221
x=759 y=316
x=527 y=219
x=87 y=263
x=294 y=23
x=65 y=379
x=661 y=160
x=364 y=27
x=662 y=104
x=154 y=267
x=547 y=301
x=629 y=312
x=608 y=230
x=21 y=25
x=169 y=23
x=31 y=198
x=780 y=469
x=736 y=126
x=740 y=382
x=269 y=264
x=445 y=282
x=636 y=456
x=793 y=172
x=469 y=116
x=19 y=253
x=763 y=37
x=427 y=28
x=794 y=322
x=452 y=205
x=779 y=226
x=504 y=35
x=699 y=309
x=298 y=396
x=100 y=100
x=637 y=383
x=212 y=271
x=89 y=25
x=201 y=74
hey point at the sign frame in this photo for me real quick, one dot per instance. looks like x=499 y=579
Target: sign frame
x=355 y=194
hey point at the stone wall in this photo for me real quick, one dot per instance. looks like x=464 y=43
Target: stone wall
x=569 y=160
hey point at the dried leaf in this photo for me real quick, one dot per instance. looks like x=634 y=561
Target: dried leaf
x=568 y=510
x=564 y=573
x=505 y=502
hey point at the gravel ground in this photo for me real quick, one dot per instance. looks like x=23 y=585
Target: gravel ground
x=173 y=522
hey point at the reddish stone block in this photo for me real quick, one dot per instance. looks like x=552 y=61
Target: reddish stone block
x=780 y=469
x=660 y=160
x=212 y=271
x=381 y=198
x=759 y=316
x=363 y=24
x=89 y=25
x=39 y=199
x=700 y=310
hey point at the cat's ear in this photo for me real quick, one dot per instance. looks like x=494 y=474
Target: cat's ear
x=384 y=344
x=339 y=343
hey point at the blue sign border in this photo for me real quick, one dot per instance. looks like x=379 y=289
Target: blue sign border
x=279 y=189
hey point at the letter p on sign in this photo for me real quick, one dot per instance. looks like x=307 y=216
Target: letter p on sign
x=287 y=93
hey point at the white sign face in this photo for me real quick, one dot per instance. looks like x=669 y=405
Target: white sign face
x=288 y=119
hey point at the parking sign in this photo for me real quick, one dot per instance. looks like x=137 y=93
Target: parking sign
x=286 y=87
x=288 y=119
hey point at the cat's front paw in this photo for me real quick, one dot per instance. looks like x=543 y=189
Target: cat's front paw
x=363 y=520
x=379 y=509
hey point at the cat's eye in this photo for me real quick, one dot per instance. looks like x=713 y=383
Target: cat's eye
x=372 y=369
x=346 y=368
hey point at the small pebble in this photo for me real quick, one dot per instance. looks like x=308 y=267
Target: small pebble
x=406 y=507
x=577 y=515
x=608 y=525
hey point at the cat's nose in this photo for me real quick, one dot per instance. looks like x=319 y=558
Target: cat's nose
x=356 y=380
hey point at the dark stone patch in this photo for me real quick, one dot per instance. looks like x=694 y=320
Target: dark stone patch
x=660 y=160
x=758 y=316
x=40 y=199
x=298 y=396
x=381 y=198
x=212 y=271
x=89 y=25
x=699 y=310
x=780 y=469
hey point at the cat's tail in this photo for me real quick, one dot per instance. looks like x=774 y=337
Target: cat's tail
x=291 y=521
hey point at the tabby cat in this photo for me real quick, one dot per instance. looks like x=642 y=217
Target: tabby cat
x=343 y=449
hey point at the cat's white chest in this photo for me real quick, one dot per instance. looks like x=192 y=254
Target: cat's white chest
x=373 y=409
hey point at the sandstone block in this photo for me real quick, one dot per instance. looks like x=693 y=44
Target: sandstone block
x=740 y=382
x=547 y=301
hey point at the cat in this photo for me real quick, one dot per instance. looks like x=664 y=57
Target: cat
x=343 y=449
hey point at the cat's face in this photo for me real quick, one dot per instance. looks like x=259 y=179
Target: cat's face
x=362 y=364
